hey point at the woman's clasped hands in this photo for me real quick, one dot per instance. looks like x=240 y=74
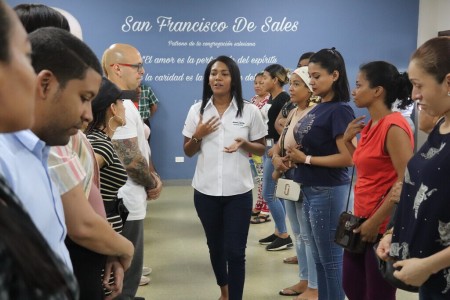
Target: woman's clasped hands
x=295 y=155
x=414 y=271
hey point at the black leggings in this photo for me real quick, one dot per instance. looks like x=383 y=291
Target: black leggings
x=87 y=267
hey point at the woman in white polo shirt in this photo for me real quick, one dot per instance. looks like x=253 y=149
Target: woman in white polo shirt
x=223 y=130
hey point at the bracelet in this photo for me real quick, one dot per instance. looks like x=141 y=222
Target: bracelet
x=196 y=140
x=308 y=160
x=389 y=231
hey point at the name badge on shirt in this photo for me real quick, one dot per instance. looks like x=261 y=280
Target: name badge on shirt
x=238 y=123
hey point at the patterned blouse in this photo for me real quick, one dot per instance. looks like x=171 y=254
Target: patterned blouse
x=422 y=225
x=261 y=103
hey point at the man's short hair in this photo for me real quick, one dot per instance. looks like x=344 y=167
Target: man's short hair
x=35 y=16
x=60 y=52
x=5 y=32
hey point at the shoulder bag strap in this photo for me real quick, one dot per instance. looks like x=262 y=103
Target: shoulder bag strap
x=350 y=189
x=379 y=203
x=283 y=134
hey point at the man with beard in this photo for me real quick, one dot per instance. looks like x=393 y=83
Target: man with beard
x=68 y=78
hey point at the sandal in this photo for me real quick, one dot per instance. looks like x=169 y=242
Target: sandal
x=255 y=213
x=289 y=292
x=293 y=260
x=260 y=219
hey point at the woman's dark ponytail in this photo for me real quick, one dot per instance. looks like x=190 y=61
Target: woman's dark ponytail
x=404 y=89
x=396 y=85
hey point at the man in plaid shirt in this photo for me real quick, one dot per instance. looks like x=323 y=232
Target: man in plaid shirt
x=148 y=103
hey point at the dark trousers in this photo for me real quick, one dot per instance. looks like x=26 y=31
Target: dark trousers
x=133 y=231
x=362 y=280
x=225 y=220
x=87 y=267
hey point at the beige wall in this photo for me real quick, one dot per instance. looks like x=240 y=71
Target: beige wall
x=434 y=16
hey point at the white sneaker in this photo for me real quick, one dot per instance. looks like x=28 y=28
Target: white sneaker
x=146 y=271
x=144 y=280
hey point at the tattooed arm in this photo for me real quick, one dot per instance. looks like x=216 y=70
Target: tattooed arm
x=150 y=165
x=134 y=162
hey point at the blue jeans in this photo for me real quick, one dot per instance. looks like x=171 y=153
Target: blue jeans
x=307 y=267
x=322 y=206
x=226 y=225
x=276 y=206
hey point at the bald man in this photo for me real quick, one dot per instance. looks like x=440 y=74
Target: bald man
x=122 y=64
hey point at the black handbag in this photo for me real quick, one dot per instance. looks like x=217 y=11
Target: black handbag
x=387 y=272
x=122 y=210
x=116 y=207
x=345 y=237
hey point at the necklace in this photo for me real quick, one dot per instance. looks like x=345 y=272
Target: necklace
x=221 y=110
x=222 y=107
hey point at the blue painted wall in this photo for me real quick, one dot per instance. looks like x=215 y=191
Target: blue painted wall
x=254 y=32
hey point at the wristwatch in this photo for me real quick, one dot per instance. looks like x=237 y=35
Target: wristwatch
x=308 y=160
x=196 y=140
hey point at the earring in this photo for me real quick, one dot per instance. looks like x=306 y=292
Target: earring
x=109 y=123
x=448 y=94
x=122 y=123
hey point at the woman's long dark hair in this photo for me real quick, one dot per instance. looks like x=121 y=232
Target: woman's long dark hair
x=236 y=86
x=5 y=33
x=32 y=259
x=395 y=84
x=332 y=60
x=29 y=251
x=98 y=121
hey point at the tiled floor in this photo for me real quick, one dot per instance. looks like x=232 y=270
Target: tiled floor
x=176 y=250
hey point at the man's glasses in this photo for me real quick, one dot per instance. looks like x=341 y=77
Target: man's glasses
x=138 y=67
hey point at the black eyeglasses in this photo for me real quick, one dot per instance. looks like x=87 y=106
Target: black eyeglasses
x=139 y=67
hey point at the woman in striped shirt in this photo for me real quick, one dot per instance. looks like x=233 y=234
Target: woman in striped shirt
x=108 y=114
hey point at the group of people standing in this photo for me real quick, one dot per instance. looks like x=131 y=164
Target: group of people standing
x=310 y=135
x=55 y=181
x=80 y=196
